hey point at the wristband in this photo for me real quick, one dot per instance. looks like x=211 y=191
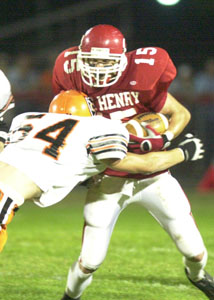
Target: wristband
x=169 y=135
x=182 y=150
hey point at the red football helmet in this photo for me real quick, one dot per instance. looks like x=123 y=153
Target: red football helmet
x=101 y=55
x=73 y=103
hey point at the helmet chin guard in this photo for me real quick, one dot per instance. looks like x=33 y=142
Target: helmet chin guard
x=107 y=43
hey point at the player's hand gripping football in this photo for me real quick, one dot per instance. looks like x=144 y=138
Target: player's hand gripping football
x=152 y=142
x=192 y=147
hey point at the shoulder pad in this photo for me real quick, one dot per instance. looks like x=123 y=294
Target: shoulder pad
x=146 y=66
x=69 y=52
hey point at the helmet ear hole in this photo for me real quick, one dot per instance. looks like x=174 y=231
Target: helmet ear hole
x=102 y=42
x=73 y=103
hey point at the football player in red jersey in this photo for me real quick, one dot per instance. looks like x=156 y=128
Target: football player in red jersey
x=123 y=84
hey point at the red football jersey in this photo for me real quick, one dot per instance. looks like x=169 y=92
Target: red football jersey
x=142 y=86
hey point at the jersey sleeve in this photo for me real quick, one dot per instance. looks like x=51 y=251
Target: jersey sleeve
x=169 y=73
x=160 y=90
x=151 y=72
x=57 y=74
x=16 y=122
x=111 y=143
x=65 y=71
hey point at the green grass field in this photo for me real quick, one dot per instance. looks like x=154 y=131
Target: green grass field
x=142 y=262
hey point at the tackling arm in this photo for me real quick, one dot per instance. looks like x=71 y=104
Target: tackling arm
x=147 y=163
x=191 y=148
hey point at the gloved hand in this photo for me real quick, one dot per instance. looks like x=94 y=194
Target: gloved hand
x=153 y=142
x=192 y=147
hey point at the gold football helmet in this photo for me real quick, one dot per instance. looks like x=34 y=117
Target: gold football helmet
x=73 y=103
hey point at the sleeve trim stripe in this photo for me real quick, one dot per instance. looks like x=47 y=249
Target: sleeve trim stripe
x=109 y=143
x=108 y=137
x=114 y=152
x=109 y=148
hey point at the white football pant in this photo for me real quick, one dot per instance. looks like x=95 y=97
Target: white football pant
x=161 y=195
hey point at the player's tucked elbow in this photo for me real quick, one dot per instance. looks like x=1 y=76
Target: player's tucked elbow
x=186 y=115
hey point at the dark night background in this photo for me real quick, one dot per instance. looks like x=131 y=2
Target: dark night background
x=185 y=30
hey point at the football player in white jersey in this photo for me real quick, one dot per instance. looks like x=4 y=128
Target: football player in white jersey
x=48 y=154
x=6 y=103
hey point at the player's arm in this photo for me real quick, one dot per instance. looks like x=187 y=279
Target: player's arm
x=147 y=163
x=179 y=116
x=190 y=148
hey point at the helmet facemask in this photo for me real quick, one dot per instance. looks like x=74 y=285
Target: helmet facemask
x=101 y=76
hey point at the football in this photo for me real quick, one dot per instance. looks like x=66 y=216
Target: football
x=157 y=121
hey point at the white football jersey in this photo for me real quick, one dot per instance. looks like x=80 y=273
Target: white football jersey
x=5 y=90
x=58 y=151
